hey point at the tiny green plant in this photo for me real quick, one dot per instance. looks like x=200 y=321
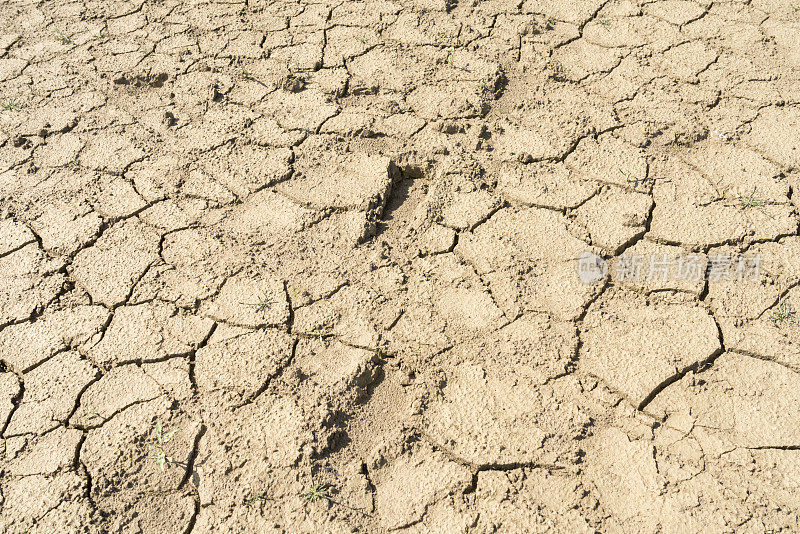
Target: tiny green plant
x=753 y=202
x=255 y=498
x=605 y=22
x=99 y=35
x=317 y=492
x=630 y=178
x=450 y=61
x=322 y=492
x=550 y=20
x=63 y=37
x=261 y=306
x=783 y=314
x=11 y=105
x=158 y=451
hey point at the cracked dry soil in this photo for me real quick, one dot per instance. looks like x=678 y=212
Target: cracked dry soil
x=332 y=246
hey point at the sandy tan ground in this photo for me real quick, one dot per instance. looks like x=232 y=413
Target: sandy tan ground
x=330 y=251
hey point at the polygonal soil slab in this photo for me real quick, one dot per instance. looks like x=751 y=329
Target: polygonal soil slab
x=247 y=169
x=775 y=133
x=46 y=454
x=609 y=159
x=740 y=400
x=410 y=484
x=116 y=391
x=354 y=181
x=306 y=110
x=51 y=391
x=649 y=266
x=335 y=367
x=237 y=362
x=58 y=151
x=121 y=466
x=30 y=501
x=737 y=172
x=530 y=261
x=111 y=153
x=452 y=101
x=111 y=267
x=26 y=345
x=773 y=335
x=691 y=209
x=580 y=59
x=149 y=332
x=66 y=224
x=539 y=425
x=548 y=129
x=352 y=313
x=13 y=235
x=245 y=449
x=27 y=282
x=547 y=185
x=268 y=213
x=615 y=218
x=249 y=301
x=452 y=292
x=115 y=198
x=459 y=196
x=635 y=346
x=625 y=479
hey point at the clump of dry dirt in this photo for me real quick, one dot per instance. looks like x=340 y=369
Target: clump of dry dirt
x=331 y=250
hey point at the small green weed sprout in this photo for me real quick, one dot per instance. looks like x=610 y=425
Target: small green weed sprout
x=322 y=492
x=783 y=314
x=317 y=492
x=753 y=202
x=158 y=450
x=255 y=498
x=63 y=37
x=11 y=105
x=629 y=178
x=261 y=306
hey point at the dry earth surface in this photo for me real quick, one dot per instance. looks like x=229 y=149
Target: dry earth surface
x=328 y=249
